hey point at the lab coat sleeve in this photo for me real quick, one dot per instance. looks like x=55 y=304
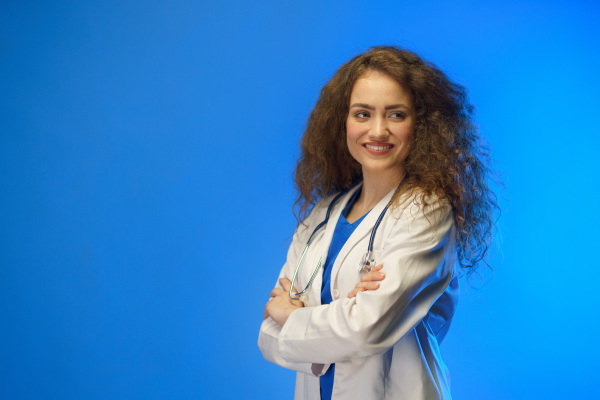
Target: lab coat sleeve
x=268 y=338
x=417 y=258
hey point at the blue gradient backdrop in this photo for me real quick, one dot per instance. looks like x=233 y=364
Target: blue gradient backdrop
x=146 y=152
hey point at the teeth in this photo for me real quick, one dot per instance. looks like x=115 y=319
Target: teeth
x=378 y=148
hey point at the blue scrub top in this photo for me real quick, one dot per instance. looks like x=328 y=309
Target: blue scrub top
x=343 y=230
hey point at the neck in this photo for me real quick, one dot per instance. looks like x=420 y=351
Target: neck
x=376 y=187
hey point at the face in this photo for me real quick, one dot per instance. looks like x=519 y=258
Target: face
x=379 y=127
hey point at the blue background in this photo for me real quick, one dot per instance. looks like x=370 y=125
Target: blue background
x=146 y=153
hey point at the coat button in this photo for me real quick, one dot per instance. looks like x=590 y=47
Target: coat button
x=336 y=294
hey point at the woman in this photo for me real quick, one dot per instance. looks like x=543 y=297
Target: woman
x=390 y=156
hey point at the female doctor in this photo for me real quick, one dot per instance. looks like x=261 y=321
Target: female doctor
x=394 y=176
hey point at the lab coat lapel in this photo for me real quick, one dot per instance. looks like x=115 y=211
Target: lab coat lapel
x=363 y=229
x=325 y=241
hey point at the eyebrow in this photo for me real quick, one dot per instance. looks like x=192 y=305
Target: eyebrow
x=369 y=107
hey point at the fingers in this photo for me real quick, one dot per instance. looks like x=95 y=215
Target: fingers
x=367 y=285
x=286 y=283
x=273 y=297
x=368 y=281
x=374 y=275
x=277 y=292
x=362 y=287
x=356 y=291
x=266 y=313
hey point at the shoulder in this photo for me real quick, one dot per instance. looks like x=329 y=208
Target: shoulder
x=316 y=215
x=418 y=211
x=416 y=203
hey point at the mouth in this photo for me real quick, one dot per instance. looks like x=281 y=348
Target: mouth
x=378 y=147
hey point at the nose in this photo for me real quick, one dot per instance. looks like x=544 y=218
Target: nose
x=379 y=129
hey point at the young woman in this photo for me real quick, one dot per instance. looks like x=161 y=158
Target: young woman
x=394 y=176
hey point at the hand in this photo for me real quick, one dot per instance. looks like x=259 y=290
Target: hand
x=280 y=306
x=368 y=281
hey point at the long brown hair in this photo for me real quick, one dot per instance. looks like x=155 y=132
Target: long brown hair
x=447 y=158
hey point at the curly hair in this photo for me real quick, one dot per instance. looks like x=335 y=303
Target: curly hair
x=447 y=158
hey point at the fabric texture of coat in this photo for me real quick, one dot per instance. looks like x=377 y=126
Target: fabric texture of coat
x=384 y=342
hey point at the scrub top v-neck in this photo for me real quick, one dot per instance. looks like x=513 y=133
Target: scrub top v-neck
x=343 y=230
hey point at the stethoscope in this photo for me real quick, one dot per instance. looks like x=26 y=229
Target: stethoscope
x=365 y=264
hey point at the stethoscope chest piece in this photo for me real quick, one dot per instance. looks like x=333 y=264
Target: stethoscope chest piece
x=366 y=263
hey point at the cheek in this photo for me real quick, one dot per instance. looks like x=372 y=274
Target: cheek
x=352 y=136
x=409 y=141
x=406 y=134
x=352 y=132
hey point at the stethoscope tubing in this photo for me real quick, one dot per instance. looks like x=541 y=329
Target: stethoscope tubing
x=323 y=223
x=365 y=264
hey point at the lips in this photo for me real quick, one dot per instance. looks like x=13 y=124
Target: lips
x=378 y=148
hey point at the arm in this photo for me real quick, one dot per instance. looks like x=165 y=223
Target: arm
x=418 y=261
x=368 y=281
x=269 y=347
x=270 y=330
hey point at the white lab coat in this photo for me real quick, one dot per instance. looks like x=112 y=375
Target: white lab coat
x=384 y=343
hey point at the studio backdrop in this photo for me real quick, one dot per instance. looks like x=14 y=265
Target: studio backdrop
x=146 y=159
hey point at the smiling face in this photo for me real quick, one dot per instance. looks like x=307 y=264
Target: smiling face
x=379 y=127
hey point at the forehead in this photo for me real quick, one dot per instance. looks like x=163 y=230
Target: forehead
x=376 y=87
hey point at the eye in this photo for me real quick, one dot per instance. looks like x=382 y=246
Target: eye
x=397 y=115
x=362 y=114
